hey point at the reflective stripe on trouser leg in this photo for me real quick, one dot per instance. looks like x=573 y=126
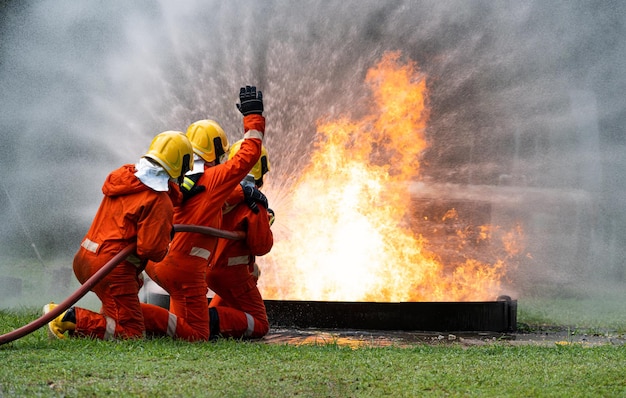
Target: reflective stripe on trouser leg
x=172 y=321
x=250 y=329
x=109 y=333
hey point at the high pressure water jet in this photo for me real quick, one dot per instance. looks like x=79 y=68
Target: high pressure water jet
x=525 y=105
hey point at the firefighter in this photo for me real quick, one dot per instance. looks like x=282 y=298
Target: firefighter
x=237 y=307
x=183 y=271
x=138 y=206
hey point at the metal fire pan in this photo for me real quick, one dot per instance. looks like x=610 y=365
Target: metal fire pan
x=485 y=316
x=489 y=316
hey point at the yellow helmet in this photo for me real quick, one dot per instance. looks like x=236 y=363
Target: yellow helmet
x=173 y=151
x=208 y=139
x=261 y=167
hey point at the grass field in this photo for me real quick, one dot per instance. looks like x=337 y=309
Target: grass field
x=35 y=366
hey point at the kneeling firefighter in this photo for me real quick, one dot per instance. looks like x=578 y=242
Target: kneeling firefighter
x=183 y=271
x=138 y=207
x=237 y=308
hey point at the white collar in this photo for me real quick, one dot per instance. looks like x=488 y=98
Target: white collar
x=198 y=165
x=152 y=175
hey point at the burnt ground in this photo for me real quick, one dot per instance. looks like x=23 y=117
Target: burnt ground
x=372 y=338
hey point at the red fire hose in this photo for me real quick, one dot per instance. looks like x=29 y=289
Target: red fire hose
x=102 y=272
x=234 y=235
x=78 y=294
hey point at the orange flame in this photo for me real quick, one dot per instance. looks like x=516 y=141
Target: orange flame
x=344 y=233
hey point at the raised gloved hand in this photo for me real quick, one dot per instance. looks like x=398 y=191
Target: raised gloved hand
x=271 y=215
x=251 y=101
x=252 y=196
x=190 y=188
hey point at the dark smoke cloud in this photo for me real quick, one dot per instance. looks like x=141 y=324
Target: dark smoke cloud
x=524 y=93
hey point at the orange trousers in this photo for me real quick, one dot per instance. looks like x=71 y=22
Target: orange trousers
x=161 y=322
x=187 y=288
x=120 y=316
x=238 y=302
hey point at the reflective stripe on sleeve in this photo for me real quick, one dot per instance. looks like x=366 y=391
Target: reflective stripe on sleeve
x=253 y=134
x=90 y=245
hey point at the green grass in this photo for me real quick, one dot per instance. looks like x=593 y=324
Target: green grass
x=599 y=309
x=34 y=366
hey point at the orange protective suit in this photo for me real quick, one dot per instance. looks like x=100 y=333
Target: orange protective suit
x=130 y=212
x=237 y=301
x=183 y=271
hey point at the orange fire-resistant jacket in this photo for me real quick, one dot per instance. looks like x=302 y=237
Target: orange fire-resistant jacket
x=182 y=273
x=237 y=299
x=259 y=238
x=129 y=212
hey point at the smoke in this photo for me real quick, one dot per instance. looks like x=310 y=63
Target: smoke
x=524 y=94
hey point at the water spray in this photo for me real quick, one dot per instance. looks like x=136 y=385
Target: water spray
x=26 y=233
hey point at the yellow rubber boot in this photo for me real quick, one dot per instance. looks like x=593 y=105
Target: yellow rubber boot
x=57 y=327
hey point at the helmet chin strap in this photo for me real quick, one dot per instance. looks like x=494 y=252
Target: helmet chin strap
x=188 y=164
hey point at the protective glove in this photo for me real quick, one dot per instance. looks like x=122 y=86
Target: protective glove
x=271 y=215
x=135 y=260
x=252 y=196
x=251 y=101
x=190 y=188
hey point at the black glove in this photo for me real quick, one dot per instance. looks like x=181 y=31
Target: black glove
x=252 y=196
x=251 y=101
x=135 y=260
x=271 y=216
x=189 y=187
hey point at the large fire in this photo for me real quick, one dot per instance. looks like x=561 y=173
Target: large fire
x=344 y=234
